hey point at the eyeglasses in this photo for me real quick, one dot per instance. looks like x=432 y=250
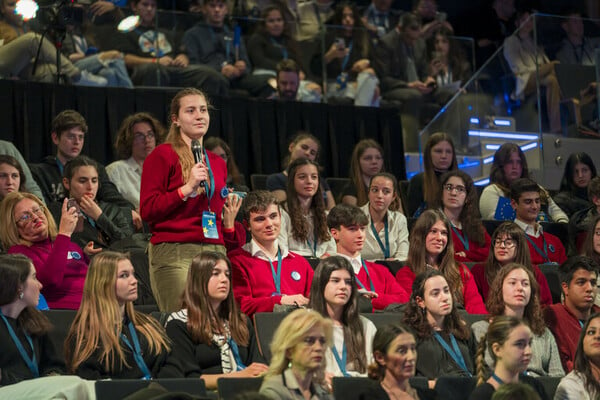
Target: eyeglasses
x=29 y=215
x=460 y=189
x=141 y=137
x=311 y=340
x=508 y=243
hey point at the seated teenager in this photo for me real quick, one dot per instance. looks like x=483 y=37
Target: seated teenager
x=544 y=248
x=365 y=162
x=304 y=225
x=28 y=184
x=515 y=293
x=431 y=247
x=579 y=279
x=334 y=294
x=28 y=228
x=108 y=338
x=444 y=342
x=264 y=272
x=29 y=362
x=12 y=176
x=348 y=226
x=100 y=222
x=573 y=194
x=582 y=221
x=387 y=234
x=508 y=341
x=210 y=337
x=458 y=200
x=582 y=383
x=508 y=246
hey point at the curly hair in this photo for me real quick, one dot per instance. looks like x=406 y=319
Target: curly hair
x=416 y=317
x=533 y=311
x=501 y=158
x=125 y=136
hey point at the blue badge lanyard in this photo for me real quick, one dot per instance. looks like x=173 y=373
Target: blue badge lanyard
x=277 y=275
x=580 y=323
x=236 y=354
x=543 y=253
x=454 y=351
x=211 y=190
x=30 y=361
x=313 y=245
x=386 y=248
x=341 y=361
x=347 y=57
x=368 y=276
x=462 y=237
x=137 y=352
x=284 y=52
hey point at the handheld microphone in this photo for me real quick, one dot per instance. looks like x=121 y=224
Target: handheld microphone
x=197 y=152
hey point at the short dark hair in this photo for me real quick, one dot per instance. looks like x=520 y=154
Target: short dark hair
x=257 y=201
x=79 y=161
x=345 y=215
x=522 y=185
x=66 y=120
x=569 y=267
x=287 y=65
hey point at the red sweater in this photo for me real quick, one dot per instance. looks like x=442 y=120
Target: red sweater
x=472 y=299
x=387 y=289
x=476 y=253
x=478 y=272
x=555 y=249
x=61 y=267
x=170 y=218
x=566 y=329
x=253 y=285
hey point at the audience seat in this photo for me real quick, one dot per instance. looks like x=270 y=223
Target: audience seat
x=550 y=383
x=121 y=388
x=265 y=325
x=351 y=388
x=380 y=319
x=337 y=186
x=313 y=261
x=491 y=225
x=393 y=266
x=61 y=321
x=258 y=181
x=559 y=230
x=230 y=388
x=550 y=271
x=454 y=387
x=472 y=318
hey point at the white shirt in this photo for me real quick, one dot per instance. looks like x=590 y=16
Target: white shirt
x=253 y=248
x=534 y=231
x=303 y=248
x=397 y=234
x=369 y=331
x=127 y=177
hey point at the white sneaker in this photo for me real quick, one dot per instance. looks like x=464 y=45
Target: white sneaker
x=89 y=79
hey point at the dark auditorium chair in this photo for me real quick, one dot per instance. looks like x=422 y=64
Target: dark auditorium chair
x=61 y=320
x=550 y=271
x=381 y=319
x=472 y=318
x=265 y=325
x=550 y=383
x=313 y=261
x=560 y=230
x=491 y=225
x=337 y=186
x=454 y=387
x=121 y=388
x=350 y=388
x=258 y=181
x=229 y=388
x=392 y=266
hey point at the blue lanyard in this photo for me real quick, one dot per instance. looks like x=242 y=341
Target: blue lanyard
x=30 y=361
x=543 y=253
x=454 y=351
x=277 y=275
x=211 y=190
x=236 y=354
x=386 y=248
x=347 y=56
x=137 y=352
x=463 y=239
x=368 y=276
x=60 y=166
x=580 y=323
x=341 y=361
x=313 y=246
x=284 y=52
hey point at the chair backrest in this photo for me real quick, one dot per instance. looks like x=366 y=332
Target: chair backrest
x=350 y=388
x=337 y=185
x=472 y=318
x=265 y=325
x=491 y=225
x=550 y=271
x=61 y=321
x=120 y=388
x=258 y=181
x=454 y=387
x=403 y=188
x=550 y=383
x=381 y=319
x=560 y=230
x=392 y=265
x=229 y=388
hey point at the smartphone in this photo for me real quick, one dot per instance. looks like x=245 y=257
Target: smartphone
x=73 y=203
x=340 y=43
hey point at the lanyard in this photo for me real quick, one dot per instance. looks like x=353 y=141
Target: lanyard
x=284 y=52
x=211 y=190
x=60 y=166
x=454 y=351
x=277 y=275
x=341 y=361
x=386 y=248
x=543 y=253
x=137 y=352
x=236 y=354
x=462 y=237
x=313 y=246
x=347 y=56
x=368 y=276
x=30 y=361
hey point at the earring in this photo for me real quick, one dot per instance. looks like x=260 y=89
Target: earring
x=21 y=295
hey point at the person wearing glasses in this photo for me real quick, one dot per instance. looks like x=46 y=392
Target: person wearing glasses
x=508 y=245
x=298 y=361
x=28 y=228
x=458 y=201
x=138 y=135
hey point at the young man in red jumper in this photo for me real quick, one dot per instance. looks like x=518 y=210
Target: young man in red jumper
x=544 y=248
x=264 y=273
x=348 y=228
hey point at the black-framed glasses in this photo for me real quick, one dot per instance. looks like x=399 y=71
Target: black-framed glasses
x=460 y=189
x=508 y=243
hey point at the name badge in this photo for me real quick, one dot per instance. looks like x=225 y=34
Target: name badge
x=73 y=255
x=209 y=225
x=224 y=192
x=551 y=248
x=296 y=275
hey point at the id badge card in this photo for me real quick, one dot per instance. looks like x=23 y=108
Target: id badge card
x=209 y=225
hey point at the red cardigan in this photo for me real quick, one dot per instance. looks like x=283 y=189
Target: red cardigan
x=476 y=253
x=387 y=289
